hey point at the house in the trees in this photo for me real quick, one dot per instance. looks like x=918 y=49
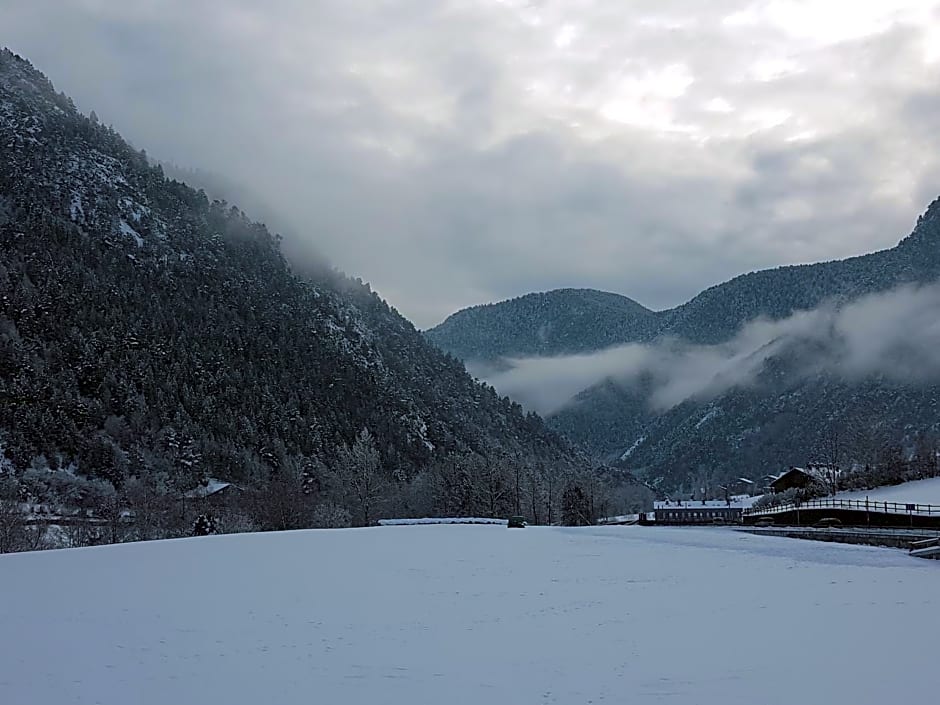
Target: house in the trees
x=214 y=493
x=767 y=481
x=800 y=478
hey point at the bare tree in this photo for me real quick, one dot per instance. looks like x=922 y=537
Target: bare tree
x=553 y=477
x=494 y=487
x=15 y=533
x=281 y=504
x=11 y=524
x=454 y=485
x=111 y=509
x=330 y=516
x=359 y=471
x=831 y=456
x=82 y=531
x=517 y=471
x=925 y=455
x=156 y=514
x=536 y=490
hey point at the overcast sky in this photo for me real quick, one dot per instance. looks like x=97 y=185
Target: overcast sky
x=458 y=152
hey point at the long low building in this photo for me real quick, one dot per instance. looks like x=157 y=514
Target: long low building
x=699 y=512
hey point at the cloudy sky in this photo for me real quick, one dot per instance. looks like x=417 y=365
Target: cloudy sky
x=454 y=152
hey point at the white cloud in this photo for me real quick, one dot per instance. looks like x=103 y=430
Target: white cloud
x=719 y=105
x=773 y=69
x=894 y=334
x=566 y=35
x=471 y=150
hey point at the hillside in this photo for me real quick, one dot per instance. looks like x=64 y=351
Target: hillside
x=468 y=615
x=915 y=492
x=795 y=404
x=564 y=321
x=718 y=313
x=782 y=412
x=148 y=332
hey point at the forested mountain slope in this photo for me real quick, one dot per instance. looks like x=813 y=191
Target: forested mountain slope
x=566 y=321
x=147 y=331
x=563 y=321
x=717 y=313
x=785 y=414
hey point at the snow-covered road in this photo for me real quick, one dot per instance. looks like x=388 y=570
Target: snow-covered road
x=470 y=614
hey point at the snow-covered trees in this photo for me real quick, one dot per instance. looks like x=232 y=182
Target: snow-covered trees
x=280 y=503
x=147 y=332
x=15 y=534
x=330 y=516
x=575 y=506
x=831 y=454
x=360 y=477
x=204 y=525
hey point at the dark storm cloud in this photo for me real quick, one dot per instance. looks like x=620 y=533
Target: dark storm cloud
x=459 y=152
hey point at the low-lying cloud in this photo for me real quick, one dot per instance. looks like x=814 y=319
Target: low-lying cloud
x=895 y=334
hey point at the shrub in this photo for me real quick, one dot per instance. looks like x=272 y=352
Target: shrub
x=330 y=516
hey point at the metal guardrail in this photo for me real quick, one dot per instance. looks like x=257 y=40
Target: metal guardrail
x=925 y=543
x=863 y=505
x=928 y=548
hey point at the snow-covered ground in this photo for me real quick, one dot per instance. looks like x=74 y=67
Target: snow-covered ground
x=470 y=614
x=739 y=501
x=441 y=520
x=917 y=492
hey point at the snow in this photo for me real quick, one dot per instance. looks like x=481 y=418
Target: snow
x=135 y=209
x=620 y=519
x=209 y=488
x=744 y=500
x=916 y=492
x=126 y=229
x=740 y=501
x=76 y=211
x=470 y=615
x=441 y=520
x=629 y=451
x=712 y=413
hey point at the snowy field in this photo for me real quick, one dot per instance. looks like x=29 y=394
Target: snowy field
x=917 y=492
x=470 y=615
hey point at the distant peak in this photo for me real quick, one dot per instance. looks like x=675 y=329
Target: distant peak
x=582 y=295
x=928 y=224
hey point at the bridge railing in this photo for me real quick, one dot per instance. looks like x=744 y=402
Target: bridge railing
x=864 y=505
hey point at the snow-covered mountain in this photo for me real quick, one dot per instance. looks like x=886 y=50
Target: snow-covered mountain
x=148 y=331
x=566 y=321
x=799 y=384
x=563 y=321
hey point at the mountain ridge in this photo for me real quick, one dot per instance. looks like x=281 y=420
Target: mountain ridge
x=149 y=333
x=469 y=344
x=518 y=337
x=780 y=417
